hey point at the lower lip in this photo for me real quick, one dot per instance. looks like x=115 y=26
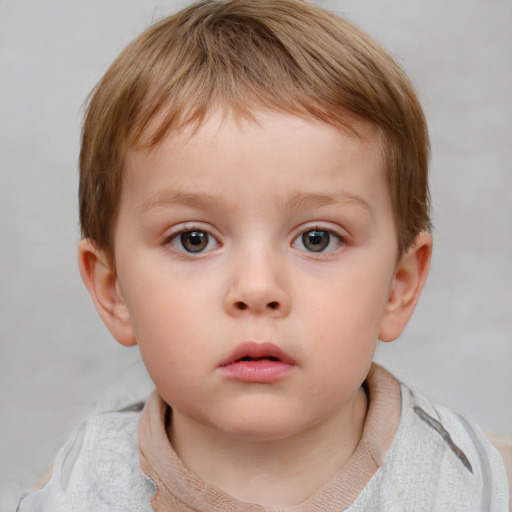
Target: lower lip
x=259 y=371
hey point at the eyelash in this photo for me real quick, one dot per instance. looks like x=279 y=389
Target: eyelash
x=202 y=242
x=177 y=238
x=331 y=234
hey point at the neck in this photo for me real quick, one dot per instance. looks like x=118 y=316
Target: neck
x=277 y=472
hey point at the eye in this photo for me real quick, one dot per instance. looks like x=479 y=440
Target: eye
x=318 y=240
x=193 y=241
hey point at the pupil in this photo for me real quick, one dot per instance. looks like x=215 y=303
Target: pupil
x=316 y=240
x=194 y=241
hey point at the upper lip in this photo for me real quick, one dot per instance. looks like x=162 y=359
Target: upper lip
x=258 y=350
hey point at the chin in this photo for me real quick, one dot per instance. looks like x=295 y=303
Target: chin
x=259 y=428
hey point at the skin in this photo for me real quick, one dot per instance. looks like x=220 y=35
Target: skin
x=252 y=190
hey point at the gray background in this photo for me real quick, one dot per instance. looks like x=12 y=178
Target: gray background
x=56 y=357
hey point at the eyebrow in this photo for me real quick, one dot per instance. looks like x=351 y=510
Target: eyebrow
x=294 y=201
x=312 y=200
x=169 y=198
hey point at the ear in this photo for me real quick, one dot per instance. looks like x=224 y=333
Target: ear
x=100 y=279
x=410 y=276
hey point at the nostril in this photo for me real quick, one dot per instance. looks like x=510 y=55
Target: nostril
x=273 y=305
x=241 y=305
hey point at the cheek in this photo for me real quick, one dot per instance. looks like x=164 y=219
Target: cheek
x=173 y=363
x=350 y=307
x=160 y=298
x=173 y=320
x=160 y=321
x=342 y=323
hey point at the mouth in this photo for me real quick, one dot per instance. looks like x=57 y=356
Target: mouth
x=253 y=352
x=257 y=363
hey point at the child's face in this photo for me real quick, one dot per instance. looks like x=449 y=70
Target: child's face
x=272 y=241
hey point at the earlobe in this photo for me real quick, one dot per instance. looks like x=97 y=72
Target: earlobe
x=101 y=281
x=410 y=276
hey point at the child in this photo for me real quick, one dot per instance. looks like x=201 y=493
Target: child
x=254 y=209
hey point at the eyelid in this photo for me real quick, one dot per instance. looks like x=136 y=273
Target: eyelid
x=335 y=231
x=330 y=227
x=185 y=227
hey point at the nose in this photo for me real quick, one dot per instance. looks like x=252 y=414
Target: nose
x=257 y=287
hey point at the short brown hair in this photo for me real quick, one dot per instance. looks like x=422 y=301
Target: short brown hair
x=286 y=55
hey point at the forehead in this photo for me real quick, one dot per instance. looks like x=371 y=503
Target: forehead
x=291 y=153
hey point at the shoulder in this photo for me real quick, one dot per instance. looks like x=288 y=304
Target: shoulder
x=96 y=467
x=438 y=460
